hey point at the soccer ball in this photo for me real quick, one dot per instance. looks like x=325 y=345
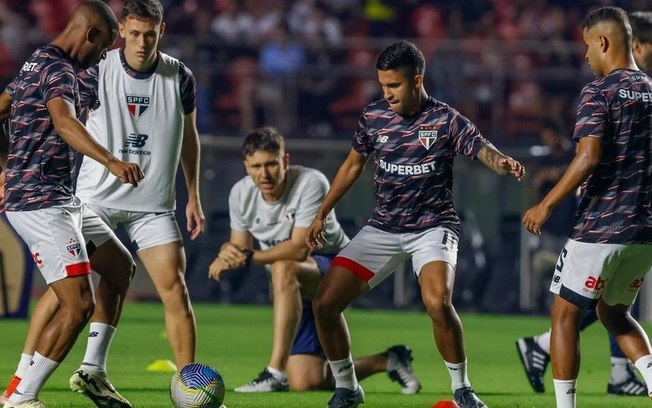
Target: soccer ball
x=197 y=386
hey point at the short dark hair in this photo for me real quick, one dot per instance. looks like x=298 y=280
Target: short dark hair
x=402 y=56
x=143 y=9
x=267 y=139
x=641 y=22
x=104 y=12
x=612 y=14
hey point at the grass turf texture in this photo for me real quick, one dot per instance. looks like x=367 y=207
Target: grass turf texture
x=236 y=340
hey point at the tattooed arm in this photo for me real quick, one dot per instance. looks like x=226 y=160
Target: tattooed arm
x=500 y=163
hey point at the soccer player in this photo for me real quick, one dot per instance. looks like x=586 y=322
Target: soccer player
x=534 y=351
x=44 y=146
x=609 y=251
x=142 y=108
x=413 y=139
x=274 y=205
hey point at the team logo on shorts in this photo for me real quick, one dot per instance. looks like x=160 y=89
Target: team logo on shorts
x=137 y=105
x=73 y=247
x=427 y=135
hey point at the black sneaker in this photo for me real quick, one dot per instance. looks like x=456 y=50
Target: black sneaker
x=345 y=398
x=265 y=382
x=632 y=386
x=465 y=398
x=535 y=361
x=399 y=369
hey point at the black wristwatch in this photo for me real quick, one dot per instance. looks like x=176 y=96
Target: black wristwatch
x=249 y=254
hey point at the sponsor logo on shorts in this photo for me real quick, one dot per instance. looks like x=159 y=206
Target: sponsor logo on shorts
x=595 y=284
x=636 y=283
x=37 y=258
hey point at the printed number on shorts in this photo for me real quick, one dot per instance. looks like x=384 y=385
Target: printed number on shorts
x=560 y=261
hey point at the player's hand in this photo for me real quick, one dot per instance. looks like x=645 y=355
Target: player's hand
x=513 y=167
x=127 y=172
x=535 y=217
x=195 y=220
x=232 y=256
x=315 y=238
x=217 y=268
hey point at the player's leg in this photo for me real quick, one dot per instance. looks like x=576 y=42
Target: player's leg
x=292 y=282
x=115 y=266
x=43 y=312
x=166 y=265
x=622 y=378
x=54 y=236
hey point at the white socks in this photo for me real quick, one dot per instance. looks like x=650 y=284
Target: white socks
x=23 y=365
x=39 y=371
x=543 y=340
x=458 y=375
x=97 y=347
x=344 y=373
x=565 y=391
x=644 y=366
x=619 y=371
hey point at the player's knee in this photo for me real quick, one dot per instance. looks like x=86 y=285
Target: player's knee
x=78 y=313
x=284 y=275
x=324 y=307
x=438 y=305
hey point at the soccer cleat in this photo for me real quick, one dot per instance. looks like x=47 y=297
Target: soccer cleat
x=98 y=388
x=535 y=361
x=399 y=369
x=11 y=387
x=345 y=398
x=632 y=386
x=265 y=382
x=465 y=398
x=26 y=404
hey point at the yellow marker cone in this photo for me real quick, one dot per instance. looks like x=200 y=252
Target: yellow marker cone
x=162 y=366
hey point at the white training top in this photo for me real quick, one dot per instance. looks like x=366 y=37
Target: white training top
x=272 y=223
x=140 y=121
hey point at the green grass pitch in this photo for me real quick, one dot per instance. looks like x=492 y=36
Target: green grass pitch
x=236 y=340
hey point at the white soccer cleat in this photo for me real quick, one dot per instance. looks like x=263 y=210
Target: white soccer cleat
x=26 y=404
x=265 y=382
x=97 y=387
x=399 y=369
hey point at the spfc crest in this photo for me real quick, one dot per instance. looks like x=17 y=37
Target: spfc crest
x=73 y=247
x=427 y=136
x=289 y=216
x=137 y=105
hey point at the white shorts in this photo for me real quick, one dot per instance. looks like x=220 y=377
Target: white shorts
x=60 y=238
x=145 y=229
x=374 y=254
x=586 y=272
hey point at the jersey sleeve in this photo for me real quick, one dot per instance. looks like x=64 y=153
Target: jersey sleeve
x=88 y=83
x=58 y=80
x=10 y=89
x=188 y=88
x=592 y=114
x=362 y=143
x=466 y=137
x=236 y=219
x=312 y=195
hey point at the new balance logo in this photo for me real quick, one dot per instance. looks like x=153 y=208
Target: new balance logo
x=93 y=334
x=571 y=391
x=136 y=140
x=649 y=365
x=346 y=367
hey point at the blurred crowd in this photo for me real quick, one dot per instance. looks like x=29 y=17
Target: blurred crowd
x=307 y=66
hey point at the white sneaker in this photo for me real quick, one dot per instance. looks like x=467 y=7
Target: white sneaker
x=265 y=382
x=399 y=369
x=98 y=388
x=26 y=404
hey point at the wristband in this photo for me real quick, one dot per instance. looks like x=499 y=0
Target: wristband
x=249 y=254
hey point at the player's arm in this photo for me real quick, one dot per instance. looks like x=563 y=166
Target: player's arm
x=294 y=249
x=347 y=174
x=190 y=154
x=74 y=133
x=5 y=108
x=587 y=156
x=5 y=105
x=235 y=253
x=499 y=162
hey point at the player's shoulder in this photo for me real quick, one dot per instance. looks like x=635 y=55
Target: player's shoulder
x=306 y=174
